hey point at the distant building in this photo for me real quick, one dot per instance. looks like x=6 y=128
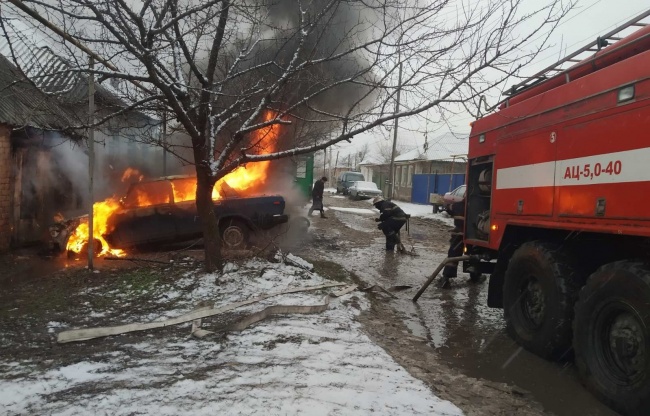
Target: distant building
x=443 y=155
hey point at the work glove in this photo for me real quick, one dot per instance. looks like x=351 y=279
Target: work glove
x=376 y=219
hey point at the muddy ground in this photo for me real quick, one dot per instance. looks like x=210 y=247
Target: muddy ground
x=449 y=339
x=452 y=332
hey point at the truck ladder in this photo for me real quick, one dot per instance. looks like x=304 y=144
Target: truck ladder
x=583 y=53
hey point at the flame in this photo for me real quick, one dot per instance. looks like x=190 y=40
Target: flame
x=132 y=173
x=241 y=179
x=101 y=213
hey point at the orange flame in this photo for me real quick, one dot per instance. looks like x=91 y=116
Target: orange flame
x=132 y=173
x=101 y=212
x=241 y=179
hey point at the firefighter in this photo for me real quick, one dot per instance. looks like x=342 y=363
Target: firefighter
x=456 y=247
x=391 y=220
x=317 y=197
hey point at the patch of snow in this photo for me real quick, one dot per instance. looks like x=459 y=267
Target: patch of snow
x=297 y=364
x=54 y=325
x=300 y=262
x=424 y=211
x=354 y=210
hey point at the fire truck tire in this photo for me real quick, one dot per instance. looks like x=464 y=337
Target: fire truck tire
x=538 y=299
x=612 y=336
x=234 y=234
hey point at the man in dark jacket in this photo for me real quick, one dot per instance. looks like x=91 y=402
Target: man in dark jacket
x=456 y=247
x=391 y=220
x=317 y=197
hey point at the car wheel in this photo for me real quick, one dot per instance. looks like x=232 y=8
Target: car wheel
x=612 y=336
x=539 y=294
x=234 y=234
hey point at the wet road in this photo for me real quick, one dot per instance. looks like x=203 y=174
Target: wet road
x=461 y=328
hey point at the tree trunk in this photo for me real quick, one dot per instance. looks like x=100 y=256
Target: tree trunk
x=210 y=225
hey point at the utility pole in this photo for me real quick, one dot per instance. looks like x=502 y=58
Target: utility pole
x=329 y=163
x=391 y=187
x=336 y=164
x=164 y=142
x=91 y=162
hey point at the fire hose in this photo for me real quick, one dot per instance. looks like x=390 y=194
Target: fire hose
x=437 y=271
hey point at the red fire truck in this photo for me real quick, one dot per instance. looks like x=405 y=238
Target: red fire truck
x=558 y=211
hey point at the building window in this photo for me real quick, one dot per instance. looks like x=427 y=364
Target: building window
x=410 y=176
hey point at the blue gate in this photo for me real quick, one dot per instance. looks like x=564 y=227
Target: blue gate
x=425 y=184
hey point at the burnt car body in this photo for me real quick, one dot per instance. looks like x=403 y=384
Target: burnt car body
x=162 y=219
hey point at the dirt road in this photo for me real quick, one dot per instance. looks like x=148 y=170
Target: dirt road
x=449 y=340
x=456 y=332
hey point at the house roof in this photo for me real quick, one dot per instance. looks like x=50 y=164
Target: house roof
x=59 y=76
x=22 y=104
x=442 y=147
x=55 y=75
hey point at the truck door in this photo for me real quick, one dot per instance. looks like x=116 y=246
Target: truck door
x=525 y=174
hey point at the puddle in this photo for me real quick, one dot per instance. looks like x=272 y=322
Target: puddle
x=465 y=332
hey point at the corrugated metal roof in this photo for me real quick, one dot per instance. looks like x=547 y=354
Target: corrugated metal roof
x=22 y=104
x=56 y=76
x=443 y=147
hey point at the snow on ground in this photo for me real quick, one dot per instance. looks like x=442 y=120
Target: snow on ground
x=422 y=211
x=354 y=210
x=425 y=211
x=299 y=364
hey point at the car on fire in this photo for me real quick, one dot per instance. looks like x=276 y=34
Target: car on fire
x=157 y=212
x=363 y=190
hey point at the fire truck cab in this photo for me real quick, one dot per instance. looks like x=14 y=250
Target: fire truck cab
x=558 y=212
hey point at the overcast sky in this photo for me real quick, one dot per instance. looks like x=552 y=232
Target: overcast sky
x=590 y=19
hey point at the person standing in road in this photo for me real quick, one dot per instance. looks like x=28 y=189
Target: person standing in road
x=317 y=197
x=391 y=220
x=456 y=247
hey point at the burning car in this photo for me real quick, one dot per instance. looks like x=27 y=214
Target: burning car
x=164 y=211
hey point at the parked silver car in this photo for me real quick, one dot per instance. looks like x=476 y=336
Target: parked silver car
x=363 y=190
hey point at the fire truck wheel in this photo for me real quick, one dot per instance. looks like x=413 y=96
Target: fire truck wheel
x=612 y=336
x=538 y=299
x=234 y=234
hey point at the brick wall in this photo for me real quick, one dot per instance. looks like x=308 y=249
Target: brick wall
x=6 y=187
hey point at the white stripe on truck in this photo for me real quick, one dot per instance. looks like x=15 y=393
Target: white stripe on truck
x=607 y=168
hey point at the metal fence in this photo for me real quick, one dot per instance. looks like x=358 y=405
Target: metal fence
x=425 y=184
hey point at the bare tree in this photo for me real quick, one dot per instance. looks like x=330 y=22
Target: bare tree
x=386 y=151
x=362 y=152
x=236 y=75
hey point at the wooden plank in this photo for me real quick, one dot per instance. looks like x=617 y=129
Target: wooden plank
x=276 y=310
x=91 y=333
x=344 y=291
